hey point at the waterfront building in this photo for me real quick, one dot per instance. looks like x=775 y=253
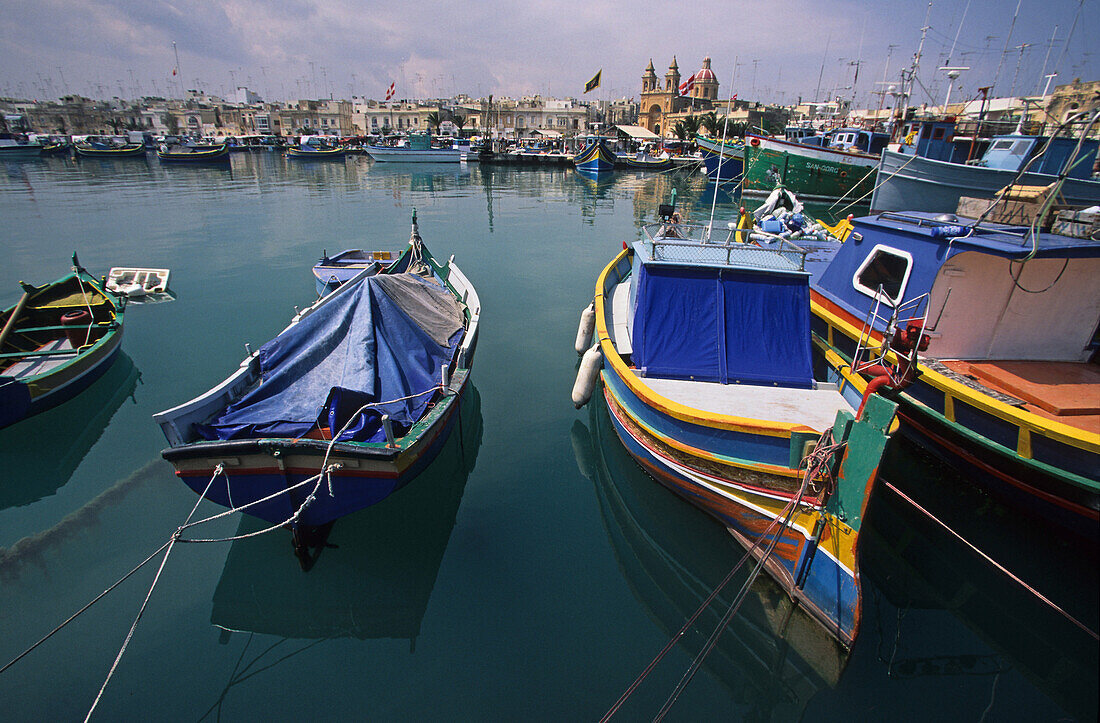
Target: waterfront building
x=662 y=106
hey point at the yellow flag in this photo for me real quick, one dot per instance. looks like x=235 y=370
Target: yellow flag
x=594 y=83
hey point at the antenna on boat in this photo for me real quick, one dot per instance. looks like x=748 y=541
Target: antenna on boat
x=414 y=237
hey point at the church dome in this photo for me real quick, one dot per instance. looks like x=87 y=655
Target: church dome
x=705 y=73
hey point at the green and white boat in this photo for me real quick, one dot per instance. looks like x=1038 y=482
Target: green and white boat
x=814 y=173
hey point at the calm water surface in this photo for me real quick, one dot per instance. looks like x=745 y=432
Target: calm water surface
x=531 y=573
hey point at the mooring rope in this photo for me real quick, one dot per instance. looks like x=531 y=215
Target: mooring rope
x=1016 y=579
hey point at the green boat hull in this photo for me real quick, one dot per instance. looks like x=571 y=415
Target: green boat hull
x=811 y=174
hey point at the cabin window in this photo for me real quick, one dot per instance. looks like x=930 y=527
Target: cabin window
x=937 y=134
x=1001 y=145
x=884 y=268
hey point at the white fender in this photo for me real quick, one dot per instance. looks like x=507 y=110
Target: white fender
x=586 y=376
x=586 y=327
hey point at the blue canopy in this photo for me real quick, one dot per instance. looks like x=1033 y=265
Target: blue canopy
x=384 y=338
x=722 y=324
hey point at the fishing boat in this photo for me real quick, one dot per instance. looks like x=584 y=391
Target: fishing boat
x=844 y=169
x=55 y=341
x=710 y=382
x=723 y=160
x=642 y=161
x=595 y=157
x=345 y=406
x=108 y=147
x=17 y=147
x=913 y=182
x=417 y=149
x=56 y=148
x=194 y=154
x=1007 y=389
x=315 y=148
x=333 y=271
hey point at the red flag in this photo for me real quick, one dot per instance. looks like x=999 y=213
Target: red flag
x=175 y=71
x=687 y=85
x=392 y=90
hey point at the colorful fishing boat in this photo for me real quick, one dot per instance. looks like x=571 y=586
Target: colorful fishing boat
x=94 y=147
x=417 y=149
x=333 y=271
x=312 y=149
x=709 y=378
x=845 y=169
x=1007 y=389
x=194 y=154
x=642 y=161
x=723 y=160
x=913 y=182
x=596 y=157
x=55 y=341
x=345 y=406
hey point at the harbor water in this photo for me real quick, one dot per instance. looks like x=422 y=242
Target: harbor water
x=533 y=571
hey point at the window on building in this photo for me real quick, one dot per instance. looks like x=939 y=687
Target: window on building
x=885 y=269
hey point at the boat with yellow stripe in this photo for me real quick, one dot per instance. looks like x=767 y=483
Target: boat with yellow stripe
x=55 y=341
x=1007 y=390
x=595 y=157
x=708 y=375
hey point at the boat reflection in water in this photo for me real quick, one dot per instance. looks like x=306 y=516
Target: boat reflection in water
x=773 y=657
x=1002 y=628
x=376 y=580
x=39 y=454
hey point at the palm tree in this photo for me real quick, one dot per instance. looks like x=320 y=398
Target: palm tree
x=433 y=120
x=460 y=121
x=691 y=126
x=710 y=122
x=680 y=131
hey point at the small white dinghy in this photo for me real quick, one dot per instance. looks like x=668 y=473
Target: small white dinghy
x=135 y=282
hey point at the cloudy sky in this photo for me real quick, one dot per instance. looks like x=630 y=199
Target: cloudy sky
x=774 y=50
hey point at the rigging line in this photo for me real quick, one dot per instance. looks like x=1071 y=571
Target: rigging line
x=741 y=595
x=145 y=602
x=993 y=562
x=690 y=621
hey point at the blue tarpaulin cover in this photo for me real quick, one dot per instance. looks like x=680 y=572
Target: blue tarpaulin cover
x=383 y=339
x=722 y=325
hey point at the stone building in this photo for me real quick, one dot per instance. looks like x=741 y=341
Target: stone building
x=662 y=105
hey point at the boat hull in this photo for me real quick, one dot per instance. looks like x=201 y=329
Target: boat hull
x=20 y=152
x=404 y=155
x=333 y=154
x=259 y=468
x=217 y=155
x=595 y=158
x=913 y=183
x=809 y=172
x=722 y=162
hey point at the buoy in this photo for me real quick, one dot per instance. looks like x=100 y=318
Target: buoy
x=586 y=376
x=77 y=323
x=584 y=330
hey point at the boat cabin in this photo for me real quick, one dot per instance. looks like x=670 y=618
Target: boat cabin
x=984 y=302
x=857 y=139
x=711 y=312
x=1011 y=152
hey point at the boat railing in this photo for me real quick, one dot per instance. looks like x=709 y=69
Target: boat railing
x=707 y=243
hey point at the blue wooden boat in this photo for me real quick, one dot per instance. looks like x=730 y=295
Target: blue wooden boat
x=55 y=341
x=709 y=378
x=595 y=158
x=1007 y=389
x=912 y=182
x=722 y=161
x=194 y=154
x=345 y=406
x=333 y=271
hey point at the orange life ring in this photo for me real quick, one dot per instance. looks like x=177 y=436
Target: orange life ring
x=755 y=141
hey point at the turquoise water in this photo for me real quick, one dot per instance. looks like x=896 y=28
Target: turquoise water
x=532 y=572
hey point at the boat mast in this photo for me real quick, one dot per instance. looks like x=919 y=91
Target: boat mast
x=179 y=73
